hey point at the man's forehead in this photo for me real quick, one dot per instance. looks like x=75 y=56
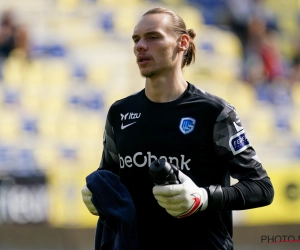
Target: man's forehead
x=151 y=23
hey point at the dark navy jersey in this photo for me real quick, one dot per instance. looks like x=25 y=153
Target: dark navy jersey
x=199 y=133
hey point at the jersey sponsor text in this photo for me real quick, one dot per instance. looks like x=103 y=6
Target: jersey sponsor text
x=140 y=160
x=130 y=116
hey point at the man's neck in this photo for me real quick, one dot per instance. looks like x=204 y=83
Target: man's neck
x=165 y=89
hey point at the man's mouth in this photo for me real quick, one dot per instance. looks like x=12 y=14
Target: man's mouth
x=142 y=60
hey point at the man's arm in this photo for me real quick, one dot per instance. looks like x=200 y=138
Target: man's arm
x=109 y=161
x=244 y=195
x=254 y=188
x=248 y=194
x=110 y=158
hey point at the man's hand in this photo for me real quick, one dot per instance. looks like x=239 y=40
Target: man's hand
x=181 y=200
x=87 y=199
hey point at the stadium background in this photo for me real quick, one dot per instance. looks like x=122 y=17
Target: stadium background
x=53 y=108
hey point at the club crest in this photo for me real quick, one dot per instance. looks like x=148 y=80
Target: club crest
x=187 y=125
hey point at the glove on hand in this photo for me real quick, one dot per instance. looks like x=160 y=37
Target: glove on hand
x=87 y=199
x=181 y=200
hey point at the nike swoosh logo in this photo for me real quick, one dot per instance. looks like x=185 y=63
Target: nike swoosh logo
x=125 y=126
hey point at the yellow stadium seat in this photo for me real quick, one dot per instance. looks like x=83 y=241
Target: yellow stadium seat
x=118 y=4
x=173 y=3
x=68 y=127
x=295 y=91
x=31 y=104
x=9 y=125
x=230 y=45
x=31 y=98
x=90 y=153
x=91 y=128
x=261 y=123
x=44 y=99
x=125 y=19
x=67 y=4
x=56 y=72
x=48 y=127
x=34 y=74
x=46 y=152
x=64 y=192
x=242 y=96
x=55 y=104
x=295 y=124
x=191 y=16
x=13 y=71
x=98 y=75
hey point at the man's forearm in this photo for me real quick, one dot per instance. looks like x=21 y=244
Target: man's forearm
x=243 y=195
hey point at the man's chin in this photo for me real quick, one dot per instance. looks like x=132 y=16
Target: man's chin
x=146 y=74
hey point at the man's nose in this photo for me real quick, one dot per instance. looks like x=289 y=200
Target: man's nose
x=141 y=45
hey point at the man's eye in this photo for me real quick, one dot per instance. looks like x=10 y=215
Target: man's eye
x=153 y=37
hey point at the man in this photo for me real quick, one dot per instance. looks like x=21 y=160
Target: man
x=199 y=133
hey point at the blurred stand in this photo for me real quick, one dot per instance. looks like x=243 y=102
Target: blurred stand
x=58 y=80
x=238 y=15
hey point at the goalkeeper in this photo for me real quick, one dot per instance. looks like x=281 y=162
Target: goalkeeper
x=201 y=134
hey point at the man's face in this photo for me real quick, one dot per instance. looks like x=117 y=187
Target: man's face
x=155 y=46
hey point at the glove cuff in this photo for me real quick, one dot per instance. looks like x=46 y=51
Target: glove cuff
x=215 y=196
x=204 y=197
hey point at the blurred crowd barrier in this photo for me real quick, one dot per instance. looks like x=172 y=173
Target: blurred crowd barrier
x=54 y=96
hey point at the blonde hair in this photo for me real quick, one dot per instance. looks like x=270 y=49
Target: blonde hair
x=178 y=26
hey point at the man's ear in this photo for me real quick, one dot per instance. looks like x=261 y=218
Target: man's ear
x=183 y=42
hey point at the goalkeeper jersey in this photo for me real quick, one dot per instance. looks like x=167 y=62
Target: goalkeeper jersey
x=199 y=133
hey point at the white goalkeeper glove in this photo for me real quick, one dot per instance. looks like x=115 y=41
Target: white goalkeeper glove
x=87 y=199
x=181 y=200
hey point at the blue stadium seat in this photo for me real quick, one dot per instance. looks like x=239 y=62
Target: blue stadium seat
x=30 y=125
x=105 y=21
x=11 y=97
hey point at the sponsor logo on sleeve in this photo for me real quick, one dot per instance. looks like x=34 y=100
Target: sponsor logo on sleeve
x=239 y=142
